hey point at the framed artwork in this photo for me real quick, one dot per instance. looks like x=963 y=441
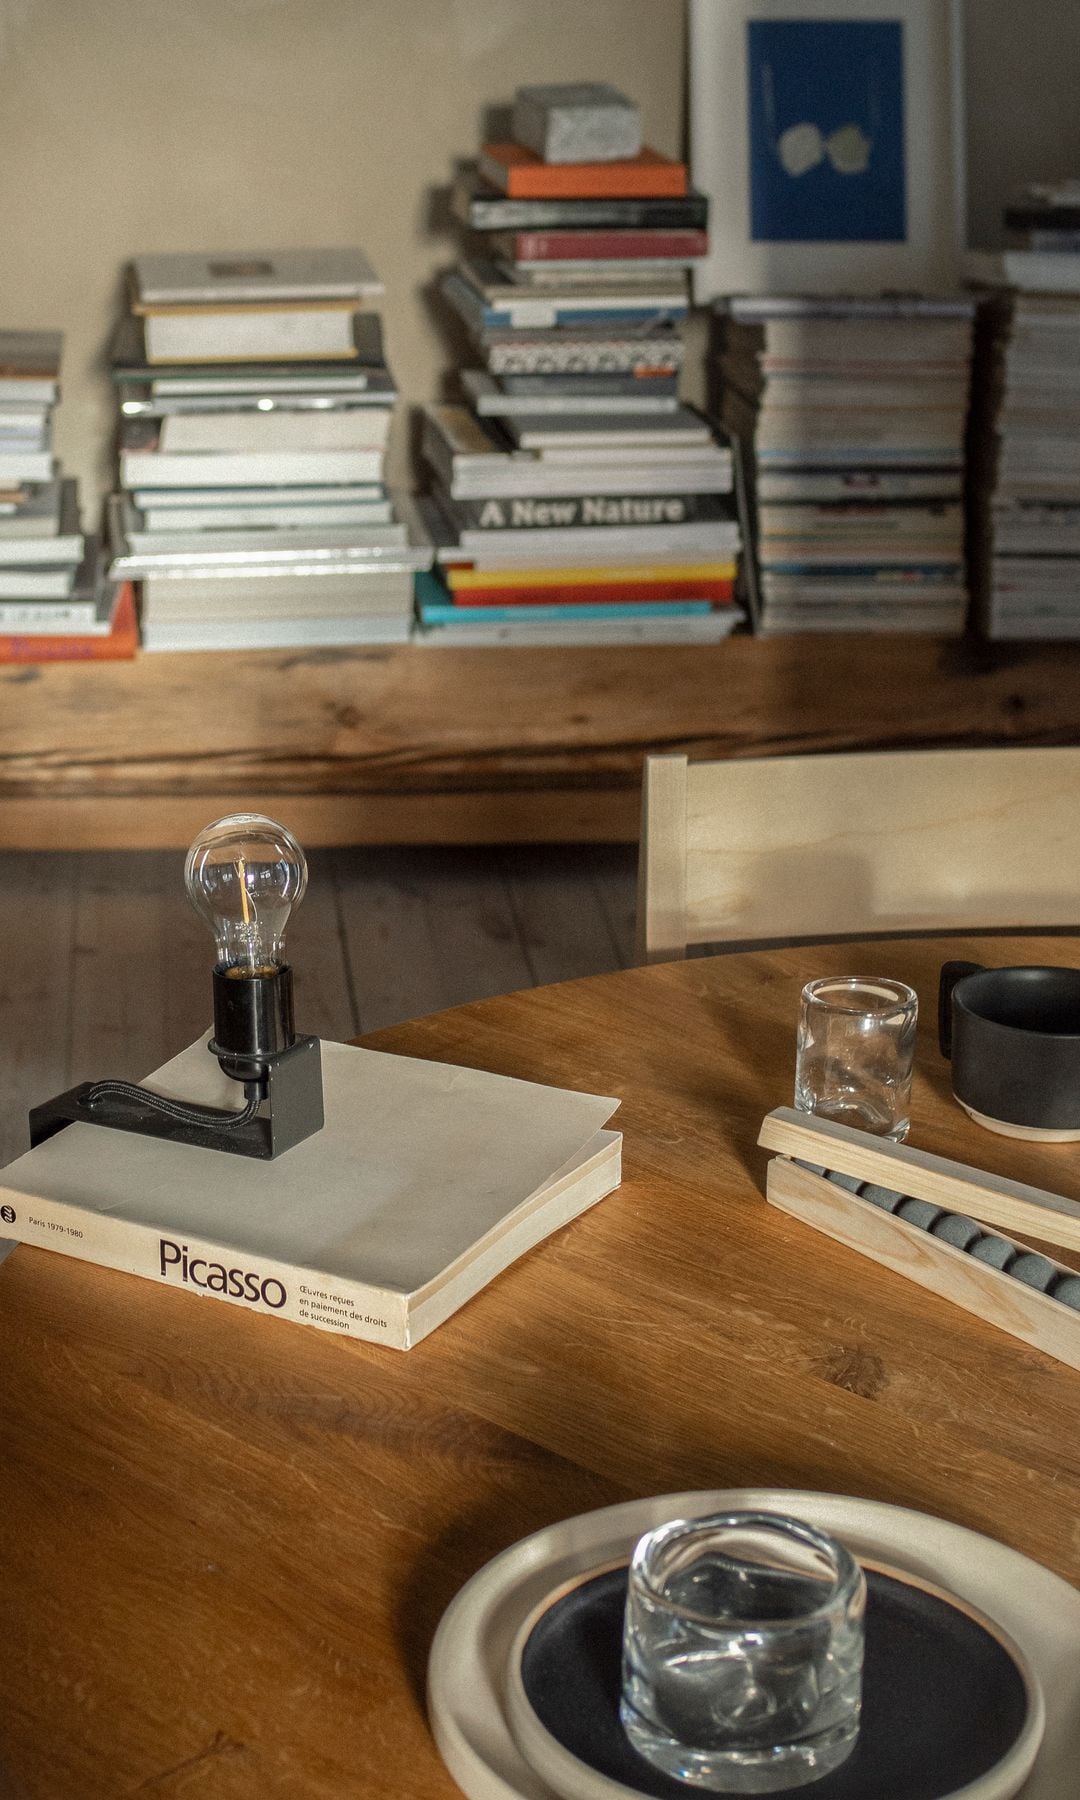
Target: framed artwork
x=828 y=135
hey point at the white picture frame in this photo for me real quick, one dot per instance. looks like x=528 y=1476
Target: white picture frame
x=733 y=109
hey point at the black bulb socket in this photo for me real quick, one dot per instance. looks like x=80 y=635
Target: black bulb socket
x=253 y=1018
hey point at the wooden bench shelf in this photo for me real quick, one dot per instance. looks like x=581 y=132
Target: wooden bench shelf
x=417 y=745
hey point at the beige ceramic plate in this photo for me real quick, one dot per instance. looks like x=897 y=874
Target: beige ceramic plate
x=470 y=1657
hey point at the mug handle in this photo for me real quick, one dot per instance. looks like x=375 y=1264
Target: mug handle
x=951 y=973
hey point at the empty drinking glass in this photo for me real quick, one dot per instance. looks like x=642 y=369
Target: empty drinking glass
x=856 y=1046
x=743 y=1652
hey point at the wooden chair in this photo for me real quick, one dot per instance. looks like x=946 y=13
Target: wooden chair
x=825 y=846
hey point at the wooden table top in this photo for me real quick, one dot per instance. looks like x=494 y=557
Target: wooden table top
x=228 y=1540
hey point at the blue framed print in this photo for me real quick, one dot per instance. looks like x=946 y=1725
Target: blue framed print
x=828 y=136
x=826 y=130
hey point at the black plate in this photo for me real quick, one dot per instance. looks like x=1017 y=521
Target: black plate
x=943 y=1701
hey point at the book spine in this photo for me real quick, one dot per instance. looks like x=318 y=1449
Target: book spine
x=199 y=1267
x=518 y=356
x=456 y=613
x=106 y=647
x=586 y=181
x=605 y=246
x=537 y=314
x=496 y=212
x=623 y=595
x=587 y=510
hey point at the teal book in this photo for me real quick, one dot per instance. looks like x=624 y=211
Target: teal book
x=434 y=613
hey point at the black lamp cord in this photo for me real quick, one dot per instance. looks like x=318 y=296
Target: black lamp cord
x=178 y=1109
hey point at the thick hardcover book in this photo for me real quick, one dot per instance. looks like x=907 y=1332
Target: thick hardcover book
x=575 y=511
x=485 y=305
x=484 y=208
x=193 y=335
x=143 y=464
x=578 y=397
x=198 y=278
x=523 y=175
x=426 y=1181
x=114 y=639
x=129 y=363
x=600 y=246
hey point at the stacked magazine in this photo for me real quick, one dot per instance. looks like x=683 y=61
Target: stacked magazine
x=52 y=606
x=852 y=416
x=1026 y=513
x=255 y=408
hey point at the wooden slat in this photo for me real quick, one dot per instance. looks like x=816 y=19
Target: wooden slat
x=781 y=847
x=158 y=822
x=994 y=1199
x=415 y=744
x=662 y=868
x=989 y=1293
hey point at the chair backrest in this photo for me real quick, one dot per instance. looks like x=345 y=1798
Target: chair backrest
x=821 y=846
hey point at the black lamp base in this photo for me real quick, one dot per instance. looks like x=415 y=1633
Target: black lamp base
x=288 y=1084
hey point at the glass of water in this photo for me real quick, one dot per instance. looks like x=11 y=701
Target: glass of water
x=743 y=1652
x=855 y=1051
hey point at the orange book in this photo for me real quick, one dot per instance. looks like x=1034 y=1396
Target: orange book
x=119 y=643
x=523 y=175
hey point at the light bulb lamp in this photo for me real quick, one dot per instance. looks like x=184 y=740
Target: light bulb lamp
x=245 y=875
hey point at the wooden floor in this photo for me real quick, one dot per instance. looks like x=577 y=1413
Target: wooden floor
x=104 y=968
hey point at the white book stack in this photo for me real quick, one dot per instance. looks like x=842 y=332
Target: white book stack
x=1026 y=512
x=49 y=583
x=852 y=417
x=256 y=407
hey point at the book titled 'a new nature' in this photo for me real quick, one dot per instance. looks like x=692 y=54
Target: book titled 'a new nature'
x=425 y=1182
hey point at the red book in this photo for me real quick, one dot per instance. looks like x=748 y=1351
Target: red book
x=523 y=175
x=596 y=593
x=600 y=246
x=118 y=644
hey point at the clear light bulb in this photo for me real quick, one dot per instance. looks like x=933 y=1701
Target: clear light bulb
x=244 y=875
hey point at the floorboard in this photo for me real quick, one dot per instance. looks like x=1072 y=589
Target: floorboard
x=106 y=967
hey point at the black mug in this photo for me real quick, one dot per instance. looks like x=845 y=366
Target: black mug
x=1013 y=1036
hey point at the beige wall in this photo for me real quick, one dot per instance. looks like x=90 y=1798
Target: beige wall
x=136 y=125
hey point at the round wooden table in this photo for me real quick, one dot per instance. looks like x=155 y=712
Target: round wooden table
x=228 y=1540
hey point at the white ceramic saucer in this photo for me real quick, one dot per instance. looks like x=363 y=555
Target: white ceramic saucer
x=467 y=1670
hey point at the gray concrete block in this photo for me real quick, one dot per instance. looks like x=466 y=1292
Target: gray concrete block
x=578 y=121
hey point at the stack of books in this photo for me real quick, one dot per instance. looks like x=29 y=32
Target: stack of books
x=573 y=498
x=255 y=406
x=52 y=604
x=1026 y=425
x=852 y=415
